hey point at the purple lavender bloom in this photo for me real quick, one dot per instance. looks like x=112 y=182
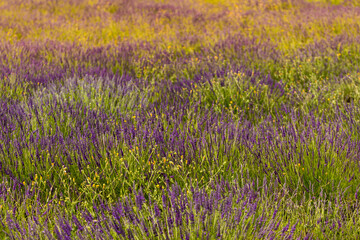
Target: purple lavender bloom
x=284 y=230
x=77 y=223
x=87 y=216
x=157 y=211
x=140 y=199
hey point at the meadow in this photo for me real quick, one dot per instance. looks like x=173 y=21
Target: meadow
x=187 y=119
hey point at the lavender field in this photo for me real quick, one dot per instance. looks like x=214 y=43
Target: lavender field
x=186 y=119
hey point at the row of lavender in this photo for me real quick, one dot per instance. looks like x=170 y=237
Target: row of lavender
x=228 y=211
x=51 y=61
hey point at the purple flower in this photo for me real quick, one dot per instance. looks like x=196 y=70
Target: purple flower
x=140 y=199
x=157 y=211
